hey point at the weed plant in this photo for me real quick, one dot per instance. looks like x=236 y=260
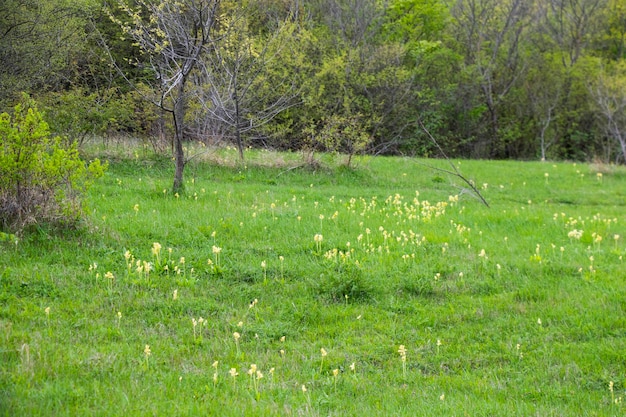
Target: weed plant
x=273 y=290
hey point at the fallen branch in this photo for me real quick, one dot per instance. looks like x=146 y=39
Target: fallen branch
x=455 y=172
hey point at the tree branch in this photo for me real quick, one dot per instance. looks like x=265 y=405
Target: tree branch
x=455 y=172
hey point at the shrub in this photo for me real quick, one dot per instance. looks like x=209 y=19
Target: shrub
x=40 y=179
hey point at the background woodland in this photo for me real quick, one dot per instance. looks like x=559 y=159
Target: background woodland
x=522 y=79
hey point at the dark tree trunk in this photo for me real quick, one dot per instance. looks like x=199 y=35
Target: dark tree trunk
x=179 y=152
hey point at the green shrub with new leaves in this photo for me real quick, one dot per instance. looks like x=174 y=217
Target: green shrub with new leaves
x=346 y=134
x=41 y=178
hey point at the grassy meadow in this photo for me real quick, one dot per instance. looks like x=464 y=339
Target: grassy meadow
x=276 y=290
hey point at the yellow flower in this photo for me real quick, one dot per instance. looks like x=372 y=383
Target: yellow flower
x=252 y=369
x=233 y=372
x=402 y=352
x=156 y=248
x=335 y=372
x=236 y=335
x=47 y=311
x=147 y=350
x=323 y=352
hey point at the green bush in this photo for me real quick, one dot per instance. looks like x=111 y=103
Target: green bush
x=40 y=179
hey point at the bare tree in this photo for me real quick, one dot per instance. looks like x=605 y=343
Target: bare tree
x=247 y=79
x=544 y=85
x=610 y=96
x=492 y=31
x=569 y=24
x=173 y=35
x=564 y=29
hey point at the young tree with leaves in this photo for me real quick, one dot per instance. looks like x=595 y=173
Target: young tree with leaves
x=173 y=37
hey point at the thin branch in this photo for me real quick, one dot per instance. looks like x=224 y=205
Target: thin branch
x=455 y=172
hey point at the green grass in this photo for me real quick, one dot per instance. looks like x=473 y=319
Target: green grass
x=526 y=329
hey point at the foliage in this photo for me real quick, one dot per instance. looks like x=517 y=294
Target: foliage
x=490 y=79
x=40 y=178
x=78 y=114
x=37 y=53
x=344 y=134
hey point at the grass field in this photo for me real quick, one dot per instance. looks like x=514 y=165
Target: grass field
x=272 y=290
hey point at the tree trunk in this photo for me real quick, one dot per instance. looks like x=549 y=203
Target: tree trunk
x=237 y=121
x=622 y=142
x=179 y=161
x=179 y=152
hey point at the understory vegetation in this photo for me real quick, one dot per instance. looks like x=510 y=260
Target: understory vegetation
x=276 y=289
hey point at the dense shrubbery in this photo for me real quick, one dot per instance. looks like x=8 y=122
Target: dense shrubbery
x=41 y=178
